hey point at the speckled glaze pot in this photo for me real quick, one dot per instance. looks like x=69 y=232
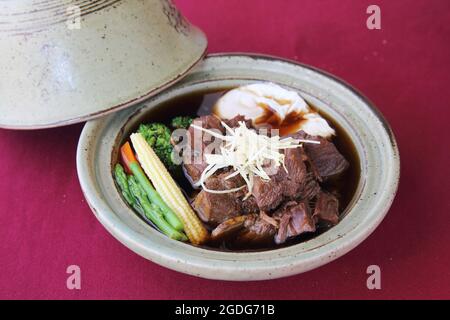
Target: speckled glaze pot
x=374 y=141
x=65 y=61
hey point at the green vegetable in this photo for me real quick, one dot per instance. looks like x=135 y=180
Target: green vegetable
x=122 y=182
x=152 y=211
x=157 y=136
x=154 y=196
x=181 y=122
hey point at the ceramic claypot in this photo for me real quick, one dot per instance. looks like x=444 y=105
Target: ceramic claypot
x=373 y=139
x=69 y=61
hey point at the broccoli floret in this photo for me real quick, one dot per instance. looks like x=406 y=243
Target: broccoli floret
x=181 y=122
x=157 y=136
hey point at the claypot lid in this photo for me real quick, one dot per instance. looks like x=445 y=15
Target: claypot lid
x=69 y=61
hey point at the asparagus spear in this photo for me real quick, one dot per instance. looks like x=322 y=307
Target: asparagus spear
x=124 y=184
x=152 y=211
x=122 y=181
x=154 y=197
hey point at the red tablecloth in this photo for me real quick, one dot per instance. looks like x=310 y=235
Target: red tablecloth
x=46 y=225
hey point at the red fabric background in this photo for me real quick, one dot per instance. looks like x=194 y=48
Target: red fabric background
x=46 y=225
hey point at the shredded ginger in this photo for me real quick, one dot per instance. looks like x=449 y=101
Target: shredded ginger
x=248 y=153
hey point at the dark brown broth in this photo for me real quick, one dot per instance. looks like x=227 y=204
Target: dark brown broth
x=201 y=103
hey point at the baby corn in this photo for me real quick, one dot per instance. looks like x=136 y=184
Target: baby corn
x=169 y=190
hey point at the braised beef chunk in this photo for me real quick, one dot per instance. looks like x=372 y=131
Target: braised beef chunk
x=233 y=123
x=248 y=205
x=310 y=189
x=193 y=160
x=268 y=194
x=214 y=208
x=208 y=122
x=256 y=232
x=246 y=230
x=326 y=210
x=245 y=204
x=294 y=219
x=228 y=229
x=325 y=159
x=293 y=184
x=229 y=181
x=295 y=177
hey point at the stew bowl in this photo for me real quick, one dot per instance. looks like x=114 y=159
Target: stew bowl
x=369 y=131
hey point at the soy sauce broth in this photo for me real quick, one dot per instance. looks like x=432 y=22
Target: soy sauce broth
x=202 y=102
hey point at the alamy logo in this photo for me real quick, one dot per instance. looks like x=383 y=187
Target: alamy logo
x=374 y=20
x=74 y=280
x=374 y=279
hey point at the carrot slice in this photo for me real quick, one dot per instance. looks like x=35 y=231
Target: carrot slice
x=127 y=156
